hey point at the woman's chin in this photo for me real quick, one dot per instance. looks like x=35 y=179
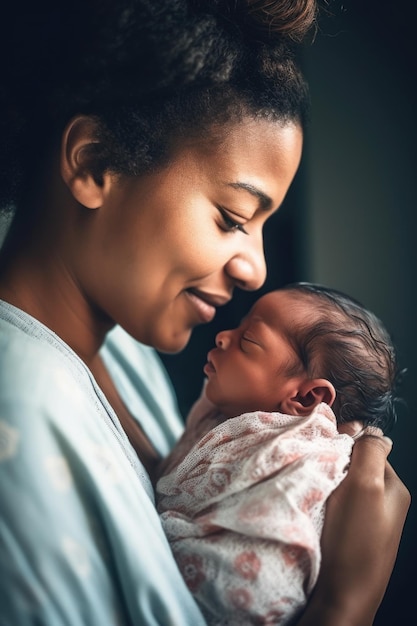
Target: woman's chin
x=173 y=344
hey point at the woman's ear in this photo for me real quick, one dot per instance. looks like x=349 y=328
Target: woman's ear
x=77 y=162
x=308 y=395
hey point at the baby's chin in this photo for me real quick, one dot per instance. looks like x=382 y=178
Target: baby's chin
x=227 y=407
x=222 y=407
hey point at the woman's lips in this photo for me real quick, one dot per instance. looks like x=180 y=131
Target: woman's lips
x=204 y=309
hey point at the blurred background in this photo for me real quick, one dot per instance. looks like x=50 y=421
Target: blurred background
x=349 y=218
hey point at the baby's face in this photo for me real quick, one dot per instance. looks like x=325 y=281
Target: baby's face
x=251 y=367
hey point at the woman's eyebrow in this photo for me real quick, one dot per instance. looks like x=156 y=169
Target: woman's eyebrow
x=264 y=200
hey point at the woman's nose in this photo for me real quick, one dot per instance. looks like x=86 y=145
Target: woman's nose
x=248 y=267
x=223 y=339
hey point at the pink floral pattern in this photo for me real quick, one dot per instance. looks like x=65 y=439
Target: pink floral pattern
x=244 y=512
x=240 y=598
x=219 y=478
x=191 y=566
x=247 y=565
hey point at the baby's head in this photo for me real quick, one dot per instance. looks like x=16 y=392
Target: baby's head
x=302 y=345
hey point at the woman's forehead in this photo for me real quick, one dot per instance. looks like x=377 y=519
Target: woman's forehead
x=259 y=154
x=232 y=138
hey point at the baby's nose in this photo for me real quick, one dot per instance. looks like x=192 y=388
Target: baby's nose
x=223 y=339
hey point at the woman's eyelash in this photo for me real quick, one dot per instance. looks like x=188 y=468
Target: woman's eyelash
x=231 y=224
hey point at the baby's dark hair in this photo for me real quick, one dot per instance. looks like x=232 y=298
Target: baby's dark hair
x=150 y=72
x=349 y=346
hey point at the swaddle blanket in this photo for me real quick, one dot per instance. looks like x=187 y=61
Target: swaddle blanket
x=244 y=512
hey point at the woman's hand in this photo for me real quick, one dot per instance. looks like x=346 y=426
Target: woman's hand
x=365 y=517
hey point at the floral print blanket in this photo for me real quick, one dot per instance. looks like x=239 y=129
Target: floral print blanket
x=244 y=511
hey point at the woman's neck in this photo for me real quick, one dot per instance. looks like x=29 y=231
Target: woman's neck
x=37 y=280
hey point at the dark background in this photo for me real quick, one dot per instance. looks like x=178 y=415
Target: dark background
x=349 y=219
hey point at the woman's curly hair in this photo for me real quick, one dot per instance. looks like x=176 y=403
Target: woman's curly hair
x=149 y=72
x=349 y=346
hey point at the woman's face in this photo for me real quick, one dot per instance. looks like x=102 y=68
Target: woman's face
x=165 y=249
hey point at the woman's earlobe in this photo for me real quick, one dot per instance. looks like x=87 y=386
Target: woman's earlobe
x=77 y=162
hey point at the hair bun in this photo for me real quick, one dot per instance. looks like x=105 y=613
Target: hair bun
x=267 y=20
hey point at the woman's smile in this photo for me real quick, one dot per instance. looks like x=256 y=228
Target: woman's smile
x=205 y=304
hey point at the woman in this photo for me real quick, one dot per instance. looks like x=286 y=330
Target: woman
x=144 y=147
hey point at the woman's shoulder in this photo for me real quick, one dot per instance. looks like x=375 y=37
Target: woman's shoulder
x=46 y=393
x=51 y=408
x=33 y=359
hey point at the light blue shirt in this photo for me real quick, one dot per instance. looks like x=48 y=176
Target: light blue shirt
x=81 y=543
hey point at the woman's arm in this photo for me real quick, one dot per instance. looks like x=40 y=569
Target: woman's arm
x=362 y=531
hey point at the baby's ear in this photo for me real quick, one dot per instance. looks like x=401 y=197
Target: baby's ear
x=77 y=162
x=308 y=395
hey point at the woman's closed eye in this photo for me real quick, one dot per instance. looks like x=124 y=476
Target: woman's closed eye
x=229 y=224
